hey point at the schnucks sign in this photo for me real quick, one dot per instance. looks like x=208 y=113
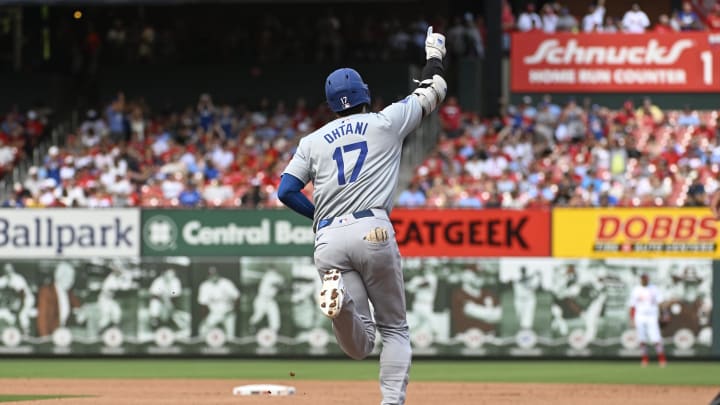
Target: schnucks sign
x=687 y=62
x=472 y=233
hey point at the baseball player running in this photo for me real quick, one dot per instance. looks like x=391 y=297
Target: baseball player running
x=645 y=302
x=353 y=162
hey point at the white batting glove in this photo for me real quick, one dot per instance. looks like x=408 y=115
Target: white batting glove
x=434 y=45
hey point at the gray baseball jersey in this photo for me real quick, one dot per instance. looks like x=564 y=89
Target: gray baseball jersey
x=354 y=161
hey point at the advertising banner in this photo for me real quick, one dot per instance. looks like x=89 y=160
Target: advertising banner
x=69 y=233
x=266 y=306
x=472 y=233
x=226 y=233
x=633 y=232
x=550 y=307
x=69 y=306
x=163 y=306
x=678 y=62
x=419 y=232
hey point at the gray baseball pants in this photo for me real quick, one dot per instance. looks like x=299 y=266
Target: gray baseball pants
x=370 y=270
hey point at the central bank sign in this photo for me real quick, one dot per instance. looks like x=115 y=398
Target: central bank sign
x=225 y=233
x=69 y=233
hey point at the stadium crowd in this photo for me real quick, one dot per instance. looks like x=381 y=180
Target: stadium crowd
x=256 y=37
x=539 y=153
x=556 y=17
x=118 y=38
x=205 y=155
x=571 y=154
x=19 y=135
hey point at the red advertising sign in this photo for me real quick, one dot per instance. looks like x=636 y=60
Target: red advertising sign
x=472 y=233
x=687 y=62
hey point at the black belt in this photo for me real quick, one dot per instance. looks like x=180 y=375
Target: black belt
x=360 y=214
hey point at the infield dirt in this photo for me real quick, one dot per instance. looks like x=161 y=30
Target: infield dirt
x=219 y=392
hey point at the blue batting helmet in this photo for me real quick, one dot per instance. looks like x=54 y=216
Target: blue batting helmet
x=344 y=88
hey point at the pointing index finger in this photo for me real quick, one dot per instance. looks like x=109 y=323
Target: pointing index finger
x=430 y=30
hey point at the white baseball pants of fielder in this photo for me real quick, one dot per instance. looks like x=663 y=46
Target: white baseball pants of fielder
x=648 y=330
x=370 y=270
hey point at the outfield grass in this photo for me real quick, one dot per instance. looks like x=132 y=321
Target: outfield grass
x=677 y=373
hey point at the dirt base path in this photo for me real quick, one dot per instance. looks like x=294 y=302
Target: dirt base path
x=219 y=392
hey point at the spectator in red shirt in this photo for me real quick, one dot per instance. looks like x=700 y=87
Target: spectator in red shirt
x=626 y=114
x=663 y=26
x=451 y=117
x=713 y=19
x=703 y=131
x=508 y=24
x=34 y=126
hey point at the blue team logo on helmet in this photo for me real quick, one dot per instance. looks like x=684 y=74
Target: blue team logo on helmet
x=344 y=88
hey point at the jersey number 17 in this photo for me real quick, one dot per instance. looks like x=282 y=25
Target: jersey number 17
x=338 y=158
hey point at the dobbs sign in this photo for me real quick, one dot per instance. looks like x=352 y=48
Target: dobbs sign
x=634 y=232
x=472 y=233
x=686 y=62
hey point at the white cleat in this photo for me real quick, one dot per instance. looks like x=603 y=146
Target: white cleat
x=332 y=293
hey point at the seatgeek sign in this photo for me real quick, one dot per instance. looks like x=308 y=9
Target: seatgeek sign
x=69 y=233
x=681 y=62
x=472 y=233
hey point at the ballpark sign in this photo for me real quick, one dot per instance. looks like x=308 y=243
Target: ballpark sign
x=69 y=233
x=688 y=62
x=226 y=233
x=635 y=232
